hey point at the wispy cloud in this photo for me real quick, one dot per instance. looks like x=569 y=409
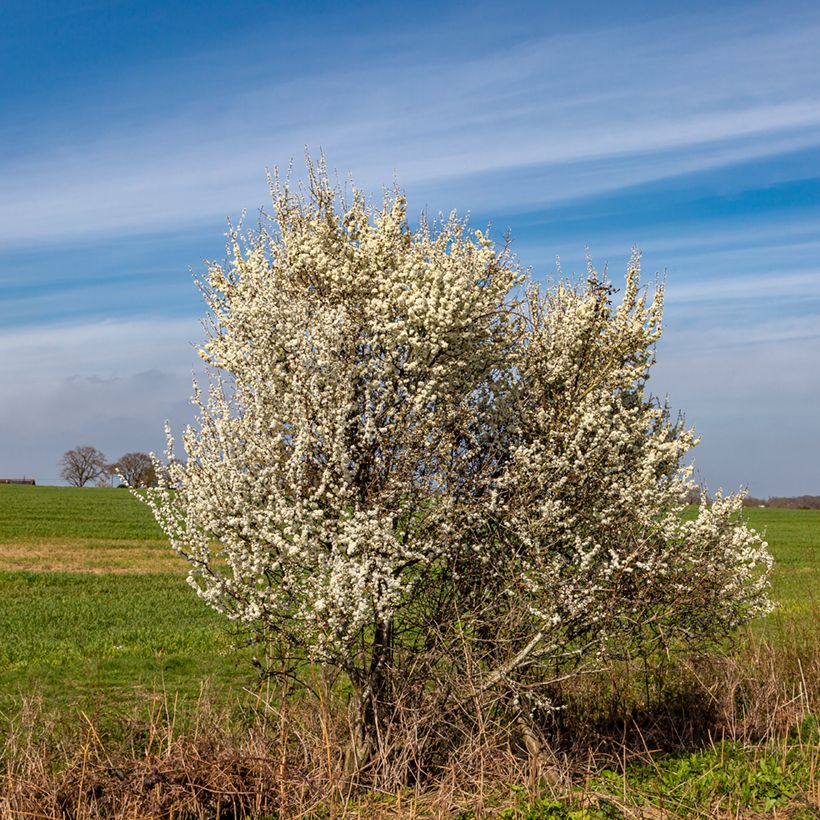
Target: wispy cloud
x=575 y=111
x=794 y=285
x=38 y=356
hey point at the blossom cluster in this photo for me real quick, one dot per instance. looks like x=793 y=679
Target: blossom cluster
x=399 y=421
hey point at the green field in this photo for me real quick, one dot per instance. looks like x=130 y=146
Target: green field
x=39 y=514
x=794 y=539
x=94 y=603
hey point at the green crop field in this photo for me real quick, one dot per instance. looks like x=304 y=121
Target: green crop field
x=794 y=539
x=37 y=514
x=93 y=602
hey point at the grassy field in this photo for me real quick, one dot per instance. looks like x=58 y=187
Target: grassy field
x=794 y=539
x=35 y=515
x=94 y=604
x=93 y=601
x=96 y=618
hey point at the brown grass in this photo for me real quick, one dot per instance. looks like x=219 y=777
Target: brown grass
x=91 y=555
x=284 y=757
x=283 y=762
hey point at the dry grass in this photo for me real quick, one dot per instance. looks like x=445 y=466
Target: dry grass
x=282 y=762
x=283 y=757
x=91 y=555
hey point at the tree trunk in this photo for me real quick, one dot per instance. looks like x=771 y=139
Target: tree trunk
x=371 y=702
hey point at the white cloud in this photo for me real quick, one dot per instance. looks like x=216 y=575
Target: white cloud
x=771 y=286
x=561 y=116
x=108 y=384
x=39 y=356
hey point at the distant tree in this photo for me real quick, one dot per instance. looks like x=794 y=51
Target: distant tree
x=81 y=465
x=696 y=495
x=137 y=470
x=799 y=502
x=107 y=476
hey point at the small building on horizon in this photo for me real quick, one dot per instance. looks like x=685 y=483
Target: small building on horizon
x=18 y=481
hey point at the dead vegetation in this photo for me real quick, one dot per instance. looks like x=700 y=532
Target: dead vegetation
x=280 y=757
x=97 y=556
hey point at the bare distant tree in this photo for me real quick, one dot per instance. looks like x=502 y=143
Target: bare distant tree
x=694 y=495
x=81 y=465
x=107 y=476
x=137 y=469
x=799 y=502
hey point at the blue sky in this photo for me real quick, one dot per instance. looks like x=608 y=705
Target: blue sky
x=131 y=131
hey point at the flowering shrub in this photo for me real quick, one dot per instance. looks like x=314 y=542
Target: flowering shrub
x=412 y=465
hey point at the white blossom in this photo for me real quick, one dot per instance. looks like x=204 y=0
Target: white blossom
x=399 y=423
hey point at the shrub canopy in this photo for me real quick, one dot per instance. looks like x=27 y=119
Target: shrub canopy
x=413 y=464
